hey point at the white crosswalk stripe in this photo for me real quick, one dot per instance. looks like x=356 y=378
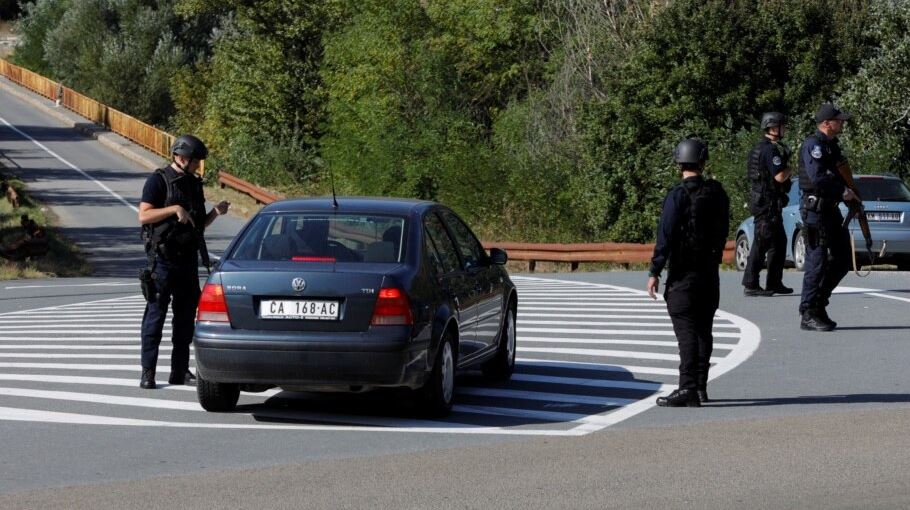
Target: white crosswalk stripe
x=573 y=373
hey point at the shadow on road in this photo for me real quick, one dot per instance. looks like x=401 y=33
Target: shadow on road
x=869 y=328
x=44 y=134
x=858 y=398
x=480 y=403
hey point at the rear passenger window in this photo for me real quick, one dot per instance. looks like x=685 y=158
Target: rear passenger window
x=470 y=248
x=442 y=244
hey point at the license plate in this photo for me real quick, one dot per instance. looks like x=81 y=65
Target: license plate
x=883 y=216
x=298 y=309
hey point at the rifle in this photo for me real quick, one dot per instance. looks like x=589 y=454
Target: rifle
x=856 y=208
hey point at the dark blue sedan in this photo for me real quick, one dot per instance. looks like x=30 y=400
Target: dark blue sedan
x=371 y=293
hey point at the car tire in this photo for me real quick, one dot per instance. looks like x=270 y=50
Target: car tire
x=741 y=253
x=799 y=250
x=438 y=393
x=501 y=366
x=216 y=397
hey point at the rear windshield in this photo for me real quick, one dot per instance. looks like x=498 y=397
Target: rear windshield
x=884 y=190
x=307 y=237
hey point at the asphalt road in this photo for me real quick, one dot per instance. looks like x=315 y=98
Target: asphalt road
x=92 y=191
x=800 y=420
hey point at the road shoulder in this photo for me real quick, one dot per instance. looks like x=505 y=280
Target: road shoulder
x=832 y=460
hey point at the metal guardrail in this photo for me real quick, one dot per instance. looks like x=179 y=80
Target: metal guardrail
x=132 y=129
x=575 y=254
x=260 y=195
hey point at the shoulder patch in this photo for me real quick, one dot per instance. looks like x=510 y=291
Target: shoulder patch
x=816 y=151
x=776 y=160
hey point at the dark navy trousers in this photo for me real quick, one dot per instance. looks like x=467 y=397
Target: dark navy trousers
x=178 y=286
x=768 y=239
x=692 y=299
x=827 y=262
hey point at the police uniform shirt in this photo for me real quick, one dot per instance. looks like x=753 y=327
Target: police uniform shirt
x=773 y=158
x=819 y=157
x=673 y=213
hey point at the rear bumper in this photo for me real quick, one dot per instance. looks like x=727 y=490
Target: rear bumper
x=381 y=357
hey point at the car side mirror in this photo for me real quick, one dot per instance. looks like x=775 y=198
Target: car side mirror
x=498 y=256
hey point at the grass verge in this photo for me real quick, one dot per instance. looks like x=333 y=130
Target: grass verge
x=63 y=257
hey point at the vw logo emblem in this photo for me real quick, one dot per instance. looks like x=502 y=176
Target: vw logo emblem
x=298 y=284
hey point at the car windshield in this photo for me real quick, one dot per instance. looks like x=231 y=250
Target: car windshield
x=884 y=190
x=314 y=237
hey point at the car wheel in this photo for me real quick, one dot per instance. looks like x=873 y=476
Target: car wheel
x=742 y=252
x=502 y=365
x=216 y=397
x=438 y=393
x=799 y=250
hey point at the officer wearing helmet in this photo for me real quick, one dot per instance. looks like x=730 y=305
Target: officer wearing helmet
x=691 y=236
x=173 y=218
x=769 y=175
x=827 y=239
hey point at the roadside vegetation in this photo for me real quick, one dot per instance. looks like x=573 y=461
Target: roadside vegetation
x=62 y=258
x=537 y=120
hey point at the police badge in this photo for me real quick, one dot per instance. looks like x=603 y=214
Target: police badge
x=816 y=151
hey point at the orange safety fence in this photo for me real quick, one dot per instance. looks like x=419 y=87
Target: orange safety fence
x=32 y=81
x=135 y=130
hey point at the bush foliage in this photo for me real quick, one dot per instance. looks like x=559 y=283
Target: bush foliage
x=540 y=120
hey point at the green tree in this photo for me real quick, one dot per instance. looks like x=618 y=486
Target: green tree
x=879 y=96
x=414 y=89
x=710 y=68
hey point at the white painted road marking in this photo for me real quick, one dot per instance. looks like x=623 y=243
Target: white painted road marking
x=74 y=167
x=67 y=354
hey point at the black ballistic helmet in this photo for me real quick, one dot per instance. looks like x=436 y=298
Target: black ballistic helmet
x=691 y=151
x=772 y=119
x=189 y=146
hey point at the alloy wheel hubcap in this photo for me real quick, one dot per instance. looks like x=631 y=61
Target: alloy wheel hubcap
x=800 y=255
x=741 y=254
x=448 y=372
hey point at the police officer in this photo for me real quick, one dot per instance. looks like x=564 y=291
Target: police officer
x=827 y=239
x=769 y=173
x=691 y=236
x=172 y=213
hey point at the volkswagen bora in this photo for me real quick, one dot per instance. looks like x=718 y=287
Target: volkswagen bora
x=368 y=293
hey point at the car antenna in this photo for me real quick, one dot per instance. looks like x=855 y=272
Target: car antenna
x=334 y=198
x=332 y=178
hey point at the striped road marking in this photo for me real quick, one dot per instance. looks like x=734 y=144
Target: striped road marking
x=589 y=356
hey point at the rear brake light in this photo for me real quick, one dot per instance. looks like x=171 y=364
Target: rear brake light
x=313 y=259
x=212 y=305
x=393 y=308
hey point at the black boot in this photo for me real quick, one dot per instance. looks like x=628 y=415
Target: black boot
x=180 y=377
x=147 y=381
x=757 y=291
x=824 y=315
x=702 y=395
x=780 y=288
x=813 y=321
x=679 y=398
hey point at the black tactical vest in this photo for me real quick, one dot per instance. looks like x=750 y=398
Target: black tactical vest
x=766 y=194
x=170 y=238
x=701 y=229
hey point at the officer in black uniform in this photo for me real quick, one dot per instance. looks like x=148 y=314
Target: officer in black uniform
x=173 y=218
x=769 y=174
x=691 y=236
x=827 y=239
